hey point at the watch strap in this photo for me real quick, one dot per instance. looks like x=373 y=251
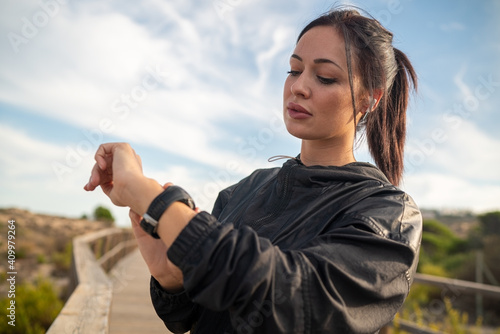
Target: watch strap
x=160 y=204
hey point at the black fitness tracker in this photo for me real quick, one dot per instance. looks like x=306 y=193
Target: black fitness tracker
x=160 y=204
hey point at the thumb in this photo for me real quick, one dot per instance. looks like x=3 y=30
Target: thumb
x=134 y=217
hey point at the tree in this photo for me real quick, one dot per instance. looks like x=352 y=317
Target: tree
x=103 y=214
x=490 y=223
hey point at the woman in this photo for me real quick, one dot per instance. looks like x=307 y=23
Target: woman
x=323 y=244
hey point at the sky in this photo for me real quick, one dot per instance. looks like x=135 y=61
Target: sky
x=196 y=88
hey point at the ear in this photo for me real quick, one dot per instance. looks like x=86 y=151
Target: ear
x=371 y=101
x=375 y=100
x=372 y=104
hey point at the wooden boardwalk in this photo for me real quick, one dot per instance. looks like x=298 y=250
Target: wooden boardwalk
x=131 y=308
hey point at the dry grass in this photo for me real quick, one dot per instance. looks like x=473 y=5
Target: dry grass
x=42 y=243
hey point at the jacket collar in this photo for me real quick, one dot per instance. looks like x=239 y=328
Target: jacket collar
x=326 y=175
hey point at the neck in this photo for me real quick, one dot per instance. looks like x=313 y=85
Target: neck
x=322 y=153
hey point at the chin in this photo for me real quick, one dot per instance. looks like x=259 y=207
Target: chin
x=304 y=135
x=301 y=131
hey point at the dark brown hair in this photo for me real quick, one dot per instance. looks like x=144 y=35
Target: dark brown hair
x=382 y=67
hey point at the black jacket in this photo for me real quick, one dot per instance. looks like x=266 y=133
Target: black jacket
x=296 y=250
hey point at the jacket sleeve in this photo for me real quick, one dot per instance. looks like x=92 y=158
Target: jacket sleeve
x=351 y=279
x=177 y=311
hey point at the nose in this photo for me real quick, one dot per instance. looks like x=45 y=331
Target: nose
x=300 y=87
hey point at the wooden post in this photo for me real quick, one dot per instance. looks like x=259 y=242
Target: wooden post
x=479 y=279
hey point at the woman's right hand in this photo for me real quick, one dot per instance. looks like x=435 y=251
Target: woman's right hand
x=154 y=252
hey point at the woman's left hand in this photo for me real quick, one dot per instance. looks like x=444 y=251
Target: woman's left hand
x=118 y=170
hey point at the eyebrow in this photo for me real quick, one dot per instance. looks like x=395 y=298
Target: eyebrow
x=318 y=61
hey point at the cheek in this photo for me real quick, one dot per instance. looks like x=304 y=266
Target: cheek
x=287 y=87
x=337 y=106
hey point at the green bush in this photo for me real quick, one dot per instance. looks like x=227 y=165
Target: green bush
x=40 y=258
x=36 y=307
x=455 y=263
x=490 y=223
x=445 y=254
x=439 y=243
x=452 y=321
x=62 y=260
x=103 y=214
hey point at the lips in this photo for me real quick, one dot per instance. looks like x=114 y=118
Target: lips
x=296 y=111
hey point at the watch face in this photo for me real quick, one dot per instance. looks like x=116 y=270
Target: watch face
x=190 y=203
x=150 y=220
x=149 y=228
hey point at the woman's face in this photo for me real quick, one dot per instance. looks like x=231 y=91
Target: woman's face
x=317 y=96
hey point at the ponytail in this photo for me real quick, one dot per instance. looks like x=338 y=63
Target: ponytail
x=386 y=128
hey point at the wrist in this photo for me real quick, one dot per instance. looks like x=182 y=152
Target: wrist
x=173 y=221
x=166 y=205
x=144 y=192
x=170 y=285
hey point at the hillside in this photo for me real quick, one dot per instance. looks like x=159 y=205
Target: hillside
x=42 y=245
x=459 y=221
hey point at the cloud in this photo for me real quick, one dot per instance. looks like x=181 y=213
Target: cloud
x=28 y=177
x=266 y=59
x=463 y=150
x=17 y=149
x=457 y=171
x=444 y=190
x=213 y=115
x=472 y=153
x=93 y=80
x=73 y=68
x=458 y=80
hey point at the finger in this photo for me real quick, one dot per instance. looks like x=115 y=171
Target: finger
x=101 y=162
x=100 y=175
x=134 y=217
x=101 y=154
x=104 y=154
x=136 y=225
x=95 y=178
x=138 y=157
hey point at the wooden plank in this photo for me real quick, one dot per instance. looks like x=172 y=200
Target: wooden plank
x=459 y=285
x=86 y=311
x=109 y=260
x=131 y=307
x=414 y=328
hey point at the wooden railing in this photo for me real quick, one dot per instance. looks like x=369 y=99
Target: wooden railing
x=455 y=285
x=87 y=309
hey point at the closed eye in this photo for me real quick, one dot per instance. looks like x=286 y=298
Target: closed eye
x=293 y=73
x=326 y=81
